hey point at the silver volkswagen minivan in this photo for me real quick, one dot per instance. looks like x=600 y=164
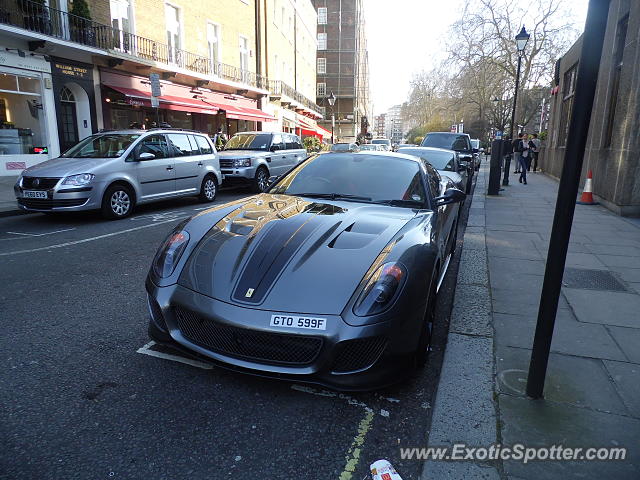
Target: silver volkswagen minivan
x=115 y=170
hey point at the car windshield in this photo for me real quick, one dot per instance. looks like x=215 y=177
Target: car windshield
x=110 y=145
x=249 y=141
x=340 y=147
x=382 y=141
x=369 y=147
x=475 y=143
x=364 y=177
x=438 y=159
x=446 y=140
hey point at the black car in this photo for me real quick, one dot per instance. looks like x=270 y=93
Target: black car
x=329 y=277
x=460 y=142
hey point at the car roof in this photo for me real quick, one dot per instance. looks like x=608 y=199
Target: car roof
x=429 y=149
x=448 y=133
x=141 y=131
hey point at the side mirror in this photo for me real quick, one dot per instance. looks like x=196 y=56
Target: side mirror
x=146 y=156
x=452 y=195
x=462 y=168
x=275 y=148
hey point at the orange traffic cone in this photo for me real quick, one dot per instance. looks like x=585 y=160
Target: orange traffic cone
x=587 y=194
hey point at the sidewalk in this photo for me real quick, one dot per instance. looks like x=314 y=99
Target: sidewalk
x=592 y=393
x=8 y=205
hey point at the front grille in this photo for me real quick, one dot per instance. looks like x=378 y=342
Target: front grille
x=247 y=344
x=226 y=163
x=357 y=354
x=39 y=183
x=156 y=313
x=48 y=204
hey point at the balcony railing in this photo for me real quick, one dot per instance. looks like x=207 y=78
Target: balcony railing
x=278 y=87
x=36 y=17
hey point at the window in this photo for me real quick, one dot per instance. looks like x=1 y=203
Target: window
x=322 y=41
x=154 y=144
x=21 y=114
x=213 y=46
x=174 y=33
x=121 y=23
x=293 y=142
x=322 y=16
x=179 y=145
x=321 y=66
x=568 y=93
x=203 y=143
x=277 y=140
x=244 y=53
x=321 y=90
x=621 y=37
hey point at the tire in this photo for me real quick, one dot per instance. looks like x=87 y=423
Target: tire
x=118 y=202
x=424 y=343
x=208 y=189
x=261 y=180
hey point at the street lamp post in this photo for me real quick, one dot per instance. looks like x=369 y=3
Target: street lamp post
x=521 y=42
x=332 y=100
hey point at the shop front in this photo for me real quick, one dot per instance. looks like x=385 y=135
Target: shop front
x=75 y=100
x=127 y=103
x=28 y=131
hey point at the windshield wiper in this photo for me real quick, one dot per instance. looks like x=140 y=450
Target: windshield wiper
x=332 y=196
x=402 y=203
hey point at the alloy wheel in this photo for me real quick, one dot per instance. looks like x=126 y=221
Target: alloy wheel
x=209 y=189
x=263 y=180
x=120 y=203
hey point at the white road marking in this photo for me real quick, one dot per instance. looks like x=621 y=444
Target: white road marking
x=40 y=234
x=159 y=217
x=146 y=350
x=90 y=239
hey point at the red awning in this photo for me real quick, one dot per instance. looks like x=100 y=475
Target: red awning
x=245 y=113
x=168 y=102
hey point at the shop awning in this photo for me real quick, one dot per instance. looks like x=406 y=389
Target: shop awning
x=168 y=102
x=245 y=113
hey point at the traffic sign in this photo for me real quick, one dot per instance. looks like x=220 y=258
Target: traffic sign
x=156 y=91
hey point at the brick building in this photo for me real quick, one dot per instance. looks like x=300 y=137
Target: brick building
x=343 y=66
x=379 y=125
x=613 y=145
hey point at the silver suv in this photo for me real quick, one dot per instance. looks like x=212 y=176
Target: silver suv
x=113 y=171
x=252 y=157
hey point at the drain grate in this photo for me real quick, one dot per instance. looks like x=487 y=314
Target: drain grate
x=592 y=280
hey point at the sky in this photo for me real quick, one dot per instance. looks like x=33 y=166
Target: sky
x=406 y=36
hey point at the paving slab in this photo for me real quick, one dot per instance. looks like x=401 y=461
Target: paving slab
x=499 y=264
x=458 y=471
x=628 y=339
x=627 y=380
x=605 y=307
x=620 y=261
x=578 y=381
x=570 y=336
x=545 y=423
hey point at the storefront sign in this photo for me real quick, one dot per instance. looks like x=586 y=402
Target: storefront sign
x=15 y=165
x=135 y=101
x=71 y=71
x=28 y=62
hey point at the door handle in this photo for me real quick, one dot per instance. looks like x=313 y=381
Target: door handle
x=169 y=167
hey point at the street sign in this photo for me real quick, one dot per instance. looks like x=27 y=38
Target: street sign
x=499 y=134
x=155 y=103
x=156 y=91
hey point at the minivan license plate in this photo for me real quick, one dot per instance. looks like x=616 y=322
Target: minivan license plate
x=34 y=194
x=295 y=321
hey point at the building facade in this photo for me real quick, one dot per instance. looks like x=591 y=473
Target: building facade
x=613 y=145
x=379 y=125
x=394 y=124
x=79 y=75
x=343 y=66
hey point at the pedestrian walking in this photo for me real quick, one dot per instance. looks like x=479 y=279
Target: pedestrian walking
x=522 y=149
x=220 y=139
x=534 y=145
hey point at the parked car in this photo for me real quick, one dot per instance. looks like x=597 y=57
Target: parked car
x=369 y=147
x=250 y=158
x=344 y=147
x=444 y=161
x=385 y=142
x=402 y=145
x=460 y=142
x=329 y=277
x=117 y=170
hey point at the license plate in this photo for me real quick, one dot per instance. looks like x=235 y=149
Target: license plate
x=34 y=194
x=294 y=321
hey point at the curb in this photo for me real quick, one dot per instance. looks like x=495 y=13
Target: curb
x=465 y=410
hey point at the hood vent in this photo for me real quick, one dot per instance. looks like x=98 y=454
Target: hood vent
x=357 y=235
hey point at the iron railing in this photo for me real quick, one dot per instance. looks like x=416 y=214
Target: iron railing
x=278 y=87
x=36 y=17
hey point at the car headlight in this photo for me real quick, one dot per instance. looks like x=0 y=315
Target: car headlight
x=242 y=162
x=381 y=289
x=170 y=252
x=79 y=180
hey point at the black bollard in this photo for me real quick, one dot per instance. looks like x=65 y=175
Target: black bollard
x=494 y=167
